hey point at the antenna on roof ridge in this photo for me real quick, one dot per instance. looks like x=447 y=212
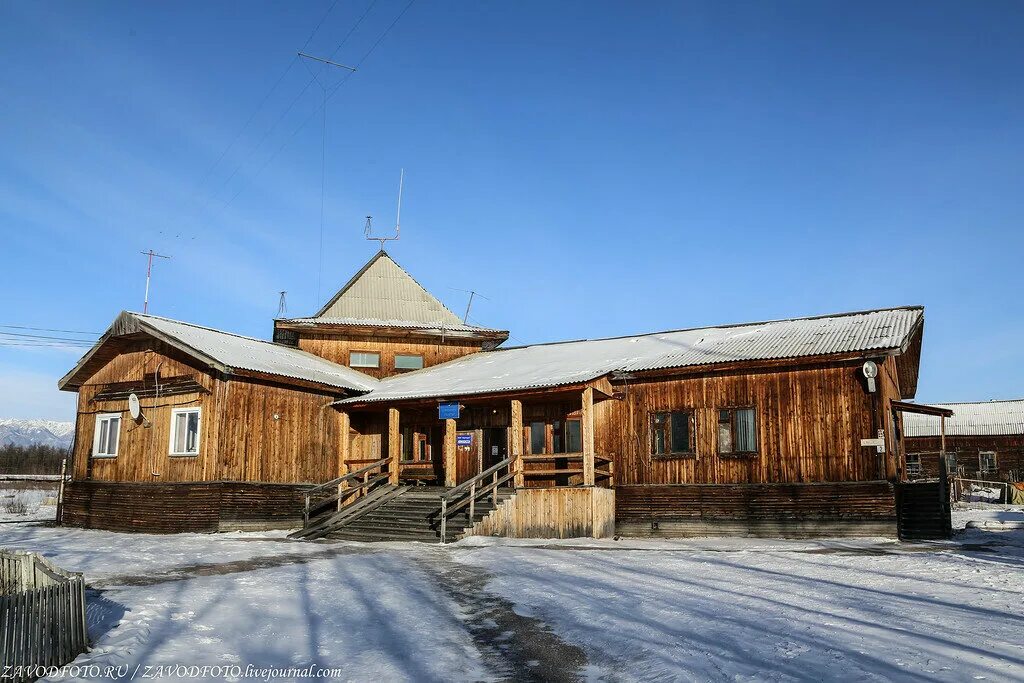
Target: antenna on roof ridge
x=368 y=228
x=282 y=306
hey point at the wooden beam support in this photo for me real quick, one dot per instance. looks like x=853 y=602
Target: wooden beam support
x=394 y=445
x=516 y=441
x=448 y=452
x=587 y=429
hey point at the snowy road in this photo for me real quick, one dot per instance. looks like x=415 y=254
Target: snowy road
x=718 y=609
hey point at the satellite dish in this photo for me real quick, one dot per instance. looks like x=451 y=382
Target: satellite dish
x=134 y=409
x=870 y=369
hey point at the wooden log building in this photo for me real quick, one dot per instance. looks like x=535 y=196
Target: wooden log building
x=982 y=441
x=385 y=401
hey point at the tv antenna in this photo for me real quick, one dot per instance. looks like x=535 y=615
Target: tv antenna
x=149 y=273
x=323 y=150
x=472 y=294
x=368 y=229
x=282 y=306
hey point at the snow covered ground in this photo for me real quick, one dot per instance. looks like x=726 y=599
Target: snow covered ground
x=487 y=609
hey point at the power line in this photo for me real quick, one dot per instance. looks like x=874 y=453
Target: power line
x=48 y=329
x=309 y=118
x=21 y=335
x=280 y=118
x=259 y=106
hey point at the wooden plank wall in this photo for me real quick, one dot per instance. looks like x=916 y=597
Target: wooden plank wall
x=175 y=508
x=756 y=509
x=1009 y=450
x=552 y=513
x=336 y=349
x=809 y=425
x=251 y=430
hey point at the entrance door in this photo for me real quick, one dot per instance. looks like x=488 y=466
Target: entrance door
x=467 y=455
x=495 y=446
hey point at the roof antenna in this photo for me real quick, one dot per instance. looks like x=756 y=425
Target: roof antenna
x=472 y=294
x=368 y=228
x=149 y=273
x=282 y=306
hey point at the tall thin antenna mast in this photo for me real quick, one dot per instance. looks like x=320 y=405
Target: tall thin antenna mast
x=368 y=228
x=323 y=155
x=149 y=273
x=472 y=294
x=282 y=306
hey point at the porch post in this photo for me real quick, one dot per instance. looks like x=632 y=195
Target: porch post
x=394 y=445
x=344 y=426
x=587 y=430
x=515 y=446
x=448 y=452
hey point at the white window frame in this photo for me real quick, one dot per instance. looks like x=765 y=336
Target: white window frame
x=981 y=460
x=100 y=417
x=353 y=364
x=914 y=466
x=199 y=431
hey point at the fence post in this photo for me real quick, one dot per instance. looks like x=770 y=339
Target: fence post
x=472 y=503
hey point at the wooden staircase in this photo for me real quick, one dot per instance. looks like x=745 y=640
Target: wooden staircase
x=412 y=515
x=379 y=511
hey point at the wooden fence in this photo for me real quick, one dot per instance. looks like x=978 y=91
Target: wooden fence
x=42 y=615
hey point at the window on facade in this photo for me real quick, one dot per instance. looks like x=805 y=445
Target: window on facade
x=363 y=359
x=537 y=437
x=672 y=432
x=107 y=435
x=737 y=431
x=913 y=465
x=951 y=463
x=573 y=437
x=185 y=431
x=407 y=443
x=987 y=461
x=407 y=362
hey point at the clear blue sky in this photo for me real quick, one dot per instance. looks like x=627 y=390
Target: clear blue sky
x=593 y=168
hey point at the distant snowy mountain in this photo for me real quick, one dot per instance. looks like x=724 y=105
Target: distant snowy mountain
x=30 y=432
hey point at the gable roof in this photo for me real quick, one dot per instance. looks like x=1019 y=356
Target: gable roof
x=880 y=332
x=984 y=418
x=383 y=292
x=226 y=352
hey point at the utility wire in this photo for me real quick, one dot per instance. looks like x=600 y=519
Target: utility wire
x=259 y=106
x=47 y=329
x=316 y=111
x=39 y=336
x=279 y=119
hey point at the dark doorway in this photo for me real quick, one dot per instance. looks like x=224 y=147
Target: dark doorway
x=495 y=446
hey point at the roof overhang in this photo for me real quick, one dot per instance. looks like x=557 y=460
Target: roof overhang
x=921 y=409
x=404 y=332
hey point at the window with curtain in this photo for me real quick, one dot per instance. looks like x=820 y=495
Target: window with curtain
x=185 y=431
x=737 y=431
x=672 y=433
x=107 y=435
x=913 y=464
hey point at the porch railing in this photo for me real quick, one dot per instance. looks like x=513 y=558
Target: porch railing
x=604 y=467
x=471 y=490
x=319 y=499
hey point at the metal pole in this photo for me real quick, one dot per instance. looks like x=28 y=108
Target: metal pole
x=444 y=520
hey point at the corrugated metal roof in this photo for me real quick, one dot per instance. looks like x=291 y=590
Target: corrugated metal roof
x=988 y=418
x=373 y=322
x=552 y=365
x=256 y=355
x=383 y=291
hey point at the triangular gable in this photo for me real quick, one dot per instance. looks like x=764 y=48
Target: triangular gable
x=383 y=290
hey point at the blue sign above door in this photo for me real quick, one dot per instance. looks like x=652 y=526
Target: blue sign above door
x=448 y=411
